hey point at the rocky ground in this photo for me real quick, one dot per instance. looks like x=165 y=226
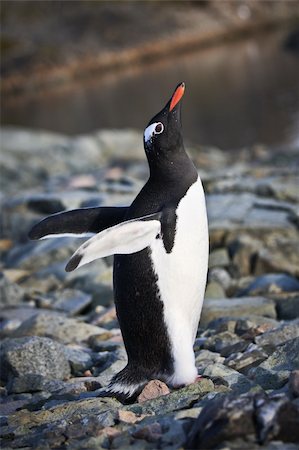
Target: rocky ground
x=60 y=338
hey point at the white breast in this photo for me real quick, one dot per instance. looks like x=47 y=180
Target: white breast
x=182 y=280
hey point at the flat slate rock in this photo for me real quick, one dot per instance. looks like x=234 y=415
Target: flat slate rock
x=275 y=371
x=255 y=416
x=63 y=329
x=236 y=307
x=271 y=283
x=231 y=378
x=232 y=211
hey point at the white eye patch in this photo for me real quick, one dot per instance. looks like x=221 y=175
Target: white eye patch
x=152 y=129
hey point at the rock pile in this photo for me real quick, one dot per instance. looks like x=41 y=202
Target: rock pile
x=60 y=338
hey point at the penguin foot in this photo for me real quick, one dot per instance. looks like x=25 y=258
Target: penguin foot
x=127 y=384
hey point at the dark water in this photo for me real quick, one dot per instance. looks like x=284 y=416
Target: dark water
x=237 y=94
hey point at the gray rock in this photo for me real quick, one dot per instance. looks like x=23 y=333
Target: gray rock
x=79 y=360
x=37 y=284
x=242 y=362
x=24 y=312
x=205 y=357
x=219 y=258
x=287 y=306
x=176 y=400
x=11 y=407
x=294 y=383
x=240 y=346
x=230 y=418
x=36 y=255
x=22 y=212
x=231 y=378
x=282 y=255
x=252 y=322
x=294 y=215
x=94 y=279
x=223 y=324
x=234 y=307
x=24 y=149
x=222 y=410
x=162 y=431
x=67 y=420
x=221 y=341
x=100 y=345
x=71 y=301
x=277 y=336
x=45 y=204
x=243 y=250
x=79 y=428
x=271 y=284
x=104 y=376
x=245 y=211
x=122 y=144
x=214 y=290
x=33 y=355
x=10 y=293
x=32 y=382
x=275 y=371
x=221 y=276
x=279 y=445
x=63 y=329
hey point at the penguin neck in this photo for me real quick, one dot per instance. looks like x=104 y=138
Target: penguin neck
x=171 y=165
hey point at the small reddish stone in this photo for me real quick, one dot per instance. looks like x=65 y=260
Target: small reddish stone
x=153 y=389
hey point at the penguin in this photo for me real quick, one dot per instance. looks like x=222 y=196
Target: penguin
x=160 y=245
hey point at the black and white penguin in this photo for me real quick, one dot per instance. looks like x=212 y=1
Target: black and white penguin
x=160 y=243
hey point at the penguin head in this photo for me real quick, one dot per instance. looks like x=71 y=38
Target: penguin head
x=163 y=135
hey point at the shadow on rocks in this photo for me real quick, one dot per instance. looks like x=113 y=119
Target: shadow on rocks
x=255 y=418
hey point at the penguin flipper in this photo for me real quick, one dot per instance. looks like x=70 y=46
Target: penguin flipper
x=78 y=222
x=125 y=238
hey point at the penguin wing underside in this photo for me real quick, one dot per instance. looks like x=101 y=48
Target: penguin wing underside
x=125 y=238
x=78 y=222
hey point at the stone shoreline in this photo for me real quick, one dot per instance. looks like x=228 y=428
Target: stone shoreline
x=60 y=338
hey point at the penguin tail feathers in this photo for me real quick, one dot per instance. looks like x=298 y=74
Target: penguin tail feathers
x=127 y=384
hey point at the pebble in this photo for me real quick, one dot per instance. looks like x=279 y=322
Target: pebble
x=153 y=389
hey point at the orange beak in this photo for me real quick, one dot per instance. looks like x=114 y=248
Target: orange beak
x=178 y=94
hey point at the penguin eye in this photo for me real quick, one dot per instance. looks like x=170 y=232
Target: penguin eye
x=152 y=130
x=159 y=128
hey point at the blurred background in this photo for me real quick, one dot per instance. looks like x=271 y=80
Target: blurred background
x=76 y=66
